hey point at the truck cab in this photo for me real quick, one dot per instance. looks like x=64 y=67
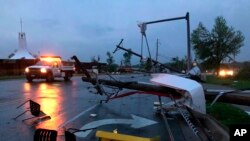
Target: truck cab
x=49 y=68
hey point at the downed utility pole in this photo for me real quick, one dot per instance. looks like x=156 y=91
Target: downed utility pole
x=233 y=97
x=133 y=85
x=140 y=56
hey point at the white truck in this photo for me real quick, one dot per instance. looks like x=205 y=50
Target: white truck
x=49 y=68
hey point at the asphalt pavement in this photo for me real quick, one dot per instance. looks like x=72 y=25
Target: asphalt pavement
x=74 y=104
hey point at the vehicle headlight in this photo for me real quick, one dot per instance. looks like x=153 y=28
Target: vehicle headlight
x=230 y=72
x=43 y=70
x=27 y=70
x=222 y=73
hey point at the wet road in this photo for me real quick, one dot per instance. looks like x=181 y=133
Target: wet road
x=71 y=105
x=59 y=99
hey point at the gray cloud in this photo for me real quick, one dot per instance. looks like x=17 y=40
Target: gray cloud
x=47 y=23
x=93 y=30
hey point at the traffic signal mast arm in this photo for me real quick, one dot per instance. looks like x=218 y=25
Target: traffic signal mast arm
x=143 y=27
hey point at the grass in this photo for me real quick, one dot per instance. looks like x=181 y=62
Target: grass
x=231 y=82
x=228 y=114
x=241 y=84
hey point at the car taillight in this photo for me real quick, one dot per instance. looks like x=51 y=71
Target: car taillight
x=43 y=70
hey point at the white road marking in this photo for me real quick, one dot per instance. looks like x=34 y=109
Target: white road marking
x=248 y=112
x=136 y=122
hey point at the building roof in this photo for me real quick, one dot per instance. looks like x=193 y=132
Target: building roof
x=22 y=54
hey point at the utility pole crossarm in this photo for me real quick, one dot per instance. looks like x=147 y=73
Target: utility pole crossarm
x=127 y=50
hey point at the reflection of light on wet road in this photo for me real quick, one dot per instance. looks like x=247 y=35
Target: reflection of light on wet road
x=26 y=88
x=51 y=106
x=49 y=96
x=48 y=90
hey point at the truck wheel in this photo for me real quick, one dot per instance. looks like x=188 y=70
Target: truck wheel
x=29 y=79
x=50 y=77
x=66 y=78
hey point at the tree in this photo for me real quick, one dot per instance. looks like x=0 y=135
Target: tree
x=215 y=46
x=111 y=63
x=110 y=59
x=178 y=63
x=93 y=59
x=148 y=65
x=127 y=58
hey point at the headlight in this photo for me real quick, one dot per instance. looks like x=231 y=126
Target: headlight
x=43 y=70
x=27 y=70
x=222 y=73
x=230 y=72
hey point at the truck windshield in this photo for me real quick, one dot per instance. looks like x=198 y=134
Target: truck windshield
x=46 y=63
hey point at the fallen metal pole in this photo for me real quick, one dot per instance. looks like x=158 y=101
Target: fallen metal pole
x=134 y=85
x=78 y=63
x=233 y=98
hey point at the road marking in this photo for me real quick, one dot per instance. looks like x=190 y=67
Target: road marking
x=77 y=116
x=135 y=122
x=247 y=112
